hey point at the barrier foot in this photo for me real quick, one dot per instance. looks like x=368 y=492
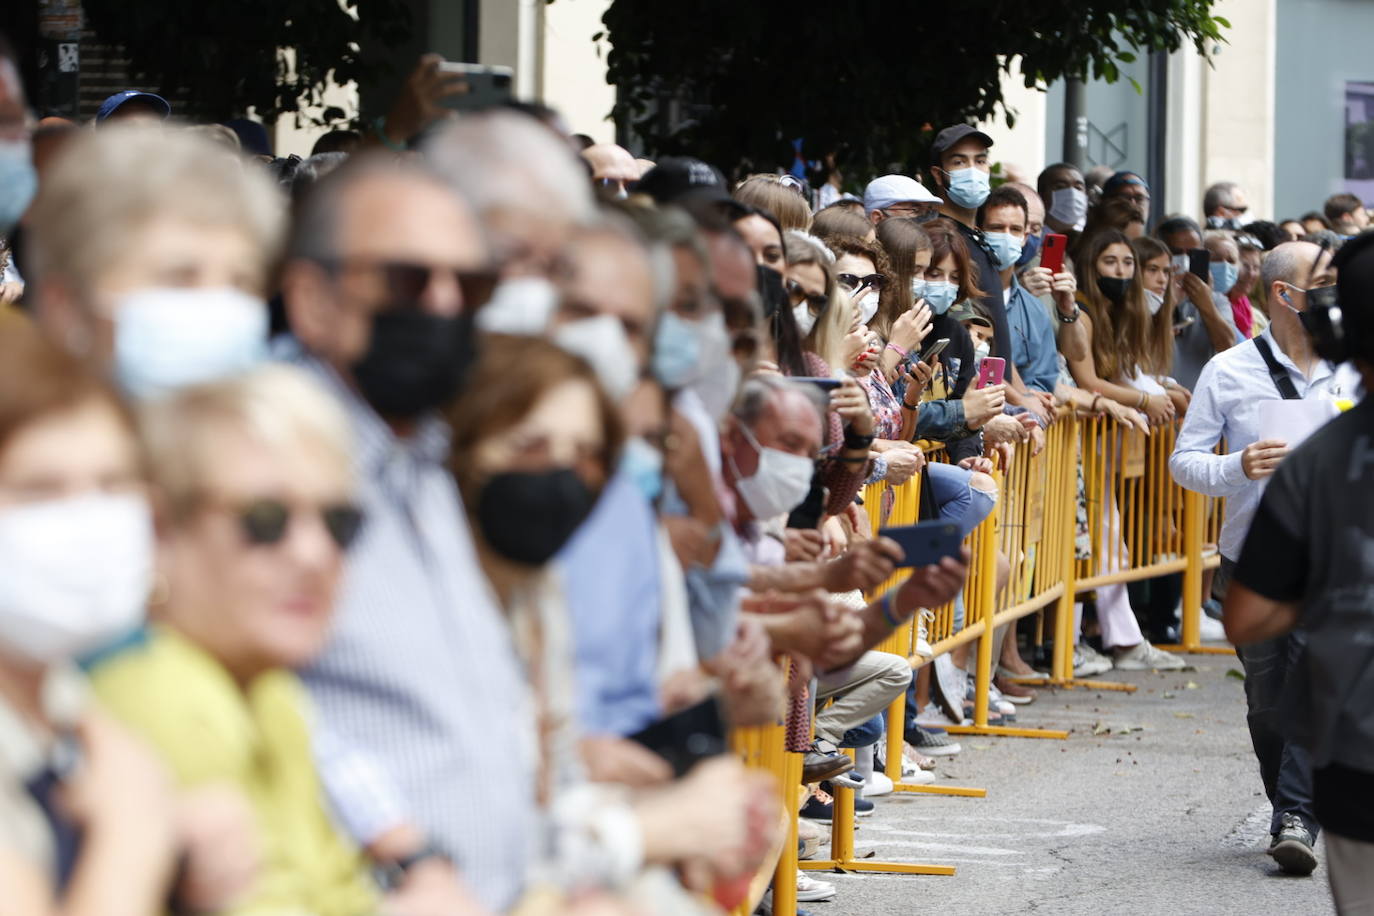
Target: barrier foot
x=1076 y=683
x=962 y=791
x=1199 y=650
x=1004 y=731
x=893 y=868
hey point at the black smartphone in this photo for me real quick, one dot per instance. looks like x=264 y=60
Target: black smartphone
x=820 y=381
x=687 y=737
x=925 y=543
x=934 y=350
x=488 y=86
x=1200 y=263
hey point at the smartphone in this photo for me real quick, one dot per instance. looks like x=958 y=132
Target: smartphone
x=686 y=737
x=808 y=515
x=992 y=372
x=820 y=381
x=925 y=543
x=488 y=86
x=935 y=350
x=1200 y=264
x=1052 y=251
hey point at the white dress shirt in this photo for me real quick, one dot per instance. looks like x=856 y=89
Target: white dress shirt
x=1226 y=405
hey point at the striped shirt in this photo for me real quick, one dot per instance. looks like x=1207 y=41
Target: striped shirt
x=419 y=672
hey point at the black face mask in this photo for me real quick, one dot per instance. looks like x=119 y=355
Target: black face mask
x=527 y=516
x=415 y=363
x=1114 y=288
x=771 y=291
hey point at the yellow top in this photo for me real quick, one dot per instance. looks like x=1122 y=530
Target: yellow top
x=211 y=732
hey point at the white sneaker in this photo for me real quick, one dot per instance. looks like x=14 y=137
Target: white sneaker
x=934 y=717
x=877 y=784
x=1145 y=657
x=809 y=890
x=922 y=648
x=999 y=702
x=1210 y=630
x=1087 y=661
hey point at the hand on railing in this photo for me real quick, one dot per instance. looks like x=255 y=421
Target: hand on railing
x=903 y=464
x=827 y=632
x=752 y=686
x=1158 y=408
x=981 y=465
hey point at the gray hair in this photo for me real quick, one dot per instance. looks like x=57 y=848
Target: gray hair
x=760 y=392
x=504 y=159
x=804 y=248
x=1221 y=194
x=1287 y=263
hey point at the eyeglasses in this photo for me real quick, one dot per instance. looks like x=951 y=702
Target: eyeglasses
x=852 y=282
x=815 y=301
x=264 y=522
x=406 y=281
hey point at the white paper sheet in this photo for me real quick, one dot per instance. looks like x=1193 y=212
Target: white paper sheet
x=1294 y=421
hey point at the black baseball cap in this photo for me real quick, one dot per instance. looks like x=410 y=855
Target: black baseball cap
x=952 y=135
x=677 y=177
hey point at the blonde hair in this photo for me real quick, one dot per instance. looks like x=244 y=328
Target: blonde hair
x=826 y=339
x=107 y=184
x=767 y=192
x=279 y=405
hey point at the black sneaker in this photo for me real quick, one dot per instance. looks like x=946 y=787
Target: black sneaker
x=1292 y=846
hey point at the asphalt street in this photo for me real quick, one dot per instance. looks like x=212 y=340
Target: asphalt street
x=1153 y=805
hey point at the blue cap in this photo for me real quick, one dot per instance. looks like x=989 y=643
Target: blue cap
x=110 y=105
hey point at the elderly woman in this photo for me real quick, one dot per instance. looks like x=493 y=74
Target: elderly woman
x=255 y=513
x=531 y=453
x=76 y=554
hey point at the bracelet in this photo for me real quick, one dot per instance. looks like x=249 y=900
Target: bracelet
x=1070 y=319
x=898 y=350
x=1144 y=400
x=853 y=441
x=916 y=406
x=885 y=605
x=379 y=128
x=1092 y=408
x=863 y=460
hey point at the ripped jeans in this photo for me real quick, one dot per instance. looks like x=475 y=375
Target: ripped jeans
x=959 y=501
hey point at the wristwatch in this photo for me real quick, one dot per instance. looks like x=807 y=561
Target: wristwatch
x=392 y=875
x=1068 y=319
x=854 y=442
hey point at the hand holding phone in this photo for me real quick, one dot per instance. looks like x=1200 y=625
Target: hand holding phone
x=934 y=350
x=1052 y=251
x=487 y=86
x=1200 y=264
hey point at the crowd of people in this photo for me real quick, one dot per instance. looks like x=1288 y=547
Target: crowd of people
x=464 y=482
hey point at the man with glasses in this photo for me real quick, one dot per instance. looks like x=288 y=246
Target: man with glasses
x=1228 y=405
x=894 y=196
x=1223 y=205
x=613 y=170
x=1129 y=186
x=382 y=275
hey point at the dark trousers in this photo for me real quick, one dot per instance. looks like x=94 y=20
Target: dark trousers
x=1285 y=767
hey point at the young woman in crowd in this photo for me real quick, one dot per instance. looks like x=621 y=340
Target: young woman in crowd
x=531 y=454
x=254 y=487
x=769 y=192
x=87 y=812
x=842 y=222
x=1154 y=263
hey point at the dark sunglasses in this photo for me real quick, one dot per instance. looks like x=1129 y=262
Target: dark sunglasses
x=265 y=522
x=852 y=282
x=406 y=281
x=816 y=301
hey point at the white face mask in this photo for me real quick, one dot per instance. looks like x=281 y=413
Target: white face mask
x=521 y=305
x=805 y=320
x=868 y=306
x=980 y=352
x=1154 y=300
x=601 y=341
x=166 y=339
x=74 y=574
x=718 y=381
x=778 y=484
x=1069 y=206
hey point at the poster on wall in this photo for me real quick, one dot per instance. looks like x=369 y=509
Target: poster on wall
x=1359 y=140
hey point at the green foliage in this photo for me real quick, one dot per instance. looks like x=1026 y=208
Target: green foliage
x=867 y=79
x=222 y=57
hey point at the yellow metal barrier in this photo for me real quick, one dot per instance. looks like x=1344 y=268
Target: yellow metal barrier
x=1140 y=525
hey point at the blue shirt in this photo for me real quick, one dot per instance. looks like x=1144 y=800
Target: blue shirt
x=1033 y=347
x=419 y=671
x=610 y=572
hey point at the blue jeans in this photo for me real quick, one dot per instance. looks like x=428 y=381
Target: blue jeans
x=871 y=732
x=1285 y=767
x=956 y=499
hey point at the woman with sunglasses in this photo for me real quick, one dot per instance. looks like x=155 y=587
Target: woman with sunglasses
x=254 y=493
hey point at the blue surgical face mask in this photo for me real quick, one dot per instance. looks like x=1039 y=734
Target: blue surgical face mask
x=969 y=187
x=940 y=295
x=1224 y=275
x=1006 y=248
x=1029 y=250
x=166 y=339
x=918 y=288
x=677 y=351
x=18 y=182
x=643 y=465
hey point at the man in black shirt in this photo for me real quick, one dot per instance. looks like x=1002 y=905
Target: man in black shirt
x=960 y=173
x=1309 y=562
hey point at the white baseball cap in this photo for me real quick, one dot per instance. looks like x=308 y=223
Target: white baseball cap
x=883 y=192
